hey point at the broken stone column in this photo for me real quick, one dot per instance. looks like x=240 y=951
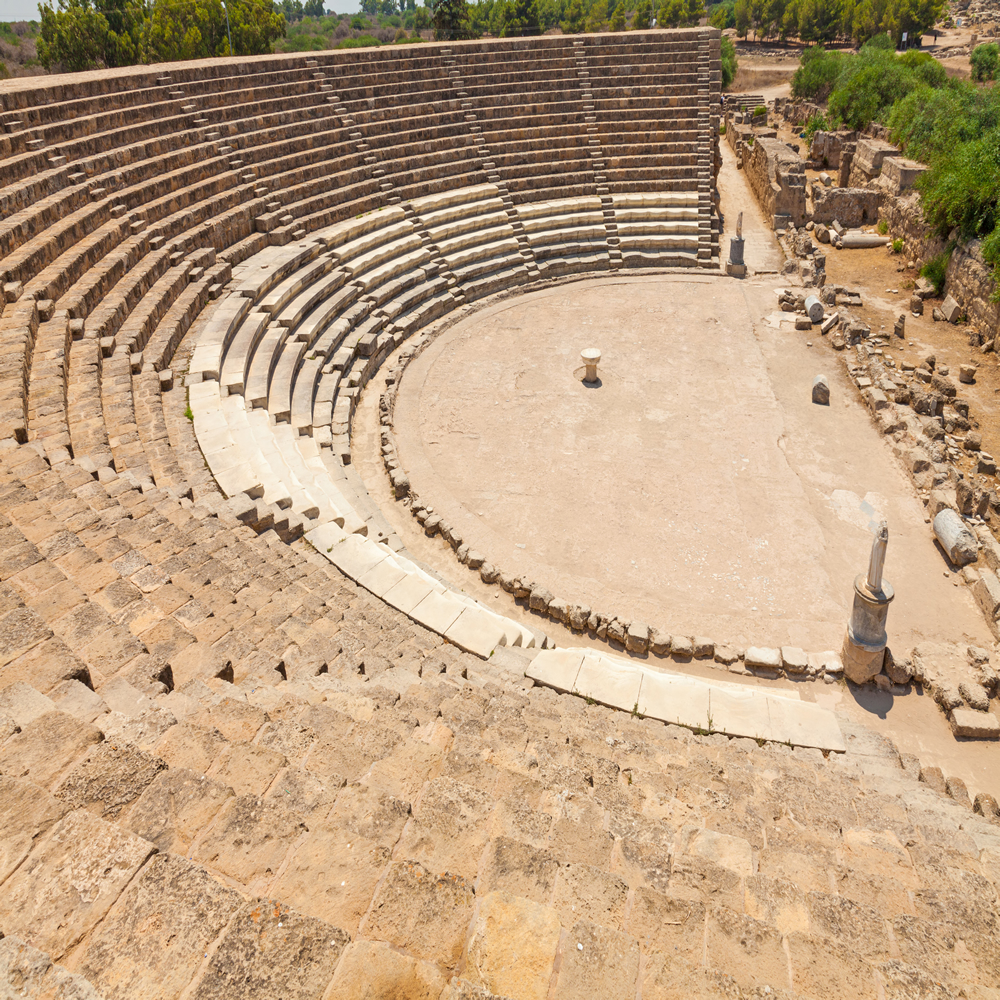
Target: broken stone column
x=735 y=265
x=864 y=644
x=591 y=357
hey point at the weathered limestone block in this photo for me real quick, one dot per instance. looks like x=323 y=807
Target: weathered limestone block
x=154 y=938
x=46 y=747
x=174 y=807
x=777 y=178
x=424 y=913
x=637 y=637
x=376 y=969
x=868 y=158
x=596 y=961
x=109 y=778
x=268 y=947
x=979 y=725
x=28 y=972
x=512 y=946
x=899 y=174
x=61 y=891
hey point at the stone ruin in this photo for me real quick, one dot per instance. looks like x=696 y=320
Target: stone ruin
x=250 y=748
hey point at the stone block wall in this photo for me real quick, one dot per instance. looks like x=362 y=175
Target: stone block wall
x=868 y=157
x=778 y=180
x=851 y=207
x=827 y=146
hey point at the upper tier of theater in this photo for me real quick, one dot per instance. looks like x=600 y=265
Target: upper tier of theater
x=110 y=180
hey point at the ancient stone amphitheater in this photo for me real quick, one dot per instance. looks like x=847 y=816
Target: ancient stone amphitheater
x=249 y=747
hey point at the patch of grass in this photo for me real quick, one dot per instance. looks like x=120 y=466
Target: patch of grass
x=897 y=245
x=936 y=269
x=883 y=227
x=188 y=413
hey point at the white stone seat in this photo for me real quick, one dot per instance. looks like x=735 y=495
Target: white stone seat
x=372 y=240
x=285 y=290
x=503 y=232
x=584 y=205
x=275 y=491
x=236 y=363
x=265 y=357
x=272 y=265
x=665 y=199
x=318 y=329
x=303 y=390
x=229 y=465
x=279 y=390
x=215 y=336
x=316 y=292
x=427 y=206
x=337 y=236
x=499 y=249
x=398 y=252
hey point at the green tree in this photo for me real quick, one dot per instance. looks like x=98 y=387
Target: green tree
x=575 y=16
x=313 y=8
x=451 y=19
x=741 y=17
x=513 y=18
x=617 y=22
x=721 y=15
x=642 y=16
x=597 y=16
x=694 y=11
x=985 y=61
x=75 y=37
x=728 y=62
x=671 y=13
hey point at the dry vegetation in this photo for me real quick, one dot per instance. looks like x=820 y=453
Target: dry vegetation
x=17 y=49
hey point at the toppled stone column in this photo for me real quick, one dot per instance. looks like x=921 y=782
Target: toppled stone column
x=958 y=542
x=864 y=644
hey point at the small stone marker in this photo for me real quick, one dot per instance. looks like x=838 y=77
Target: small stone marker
x=591 y=357
x=821 y=390
x=967 y=374
x=899 y=327
x=958 y=542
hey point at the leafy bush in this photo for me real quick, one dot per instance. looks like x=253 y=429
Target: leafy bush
x=985 y=60
x=897 y=245
x=883 y=227
x=729 y=62
x=936 y=269
x=761 y=109
x=363 y=41
x=817 y=73
x=869 y=84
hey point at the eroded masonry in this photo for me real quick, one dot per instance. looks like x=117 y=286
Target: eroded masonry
x=258 y=736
